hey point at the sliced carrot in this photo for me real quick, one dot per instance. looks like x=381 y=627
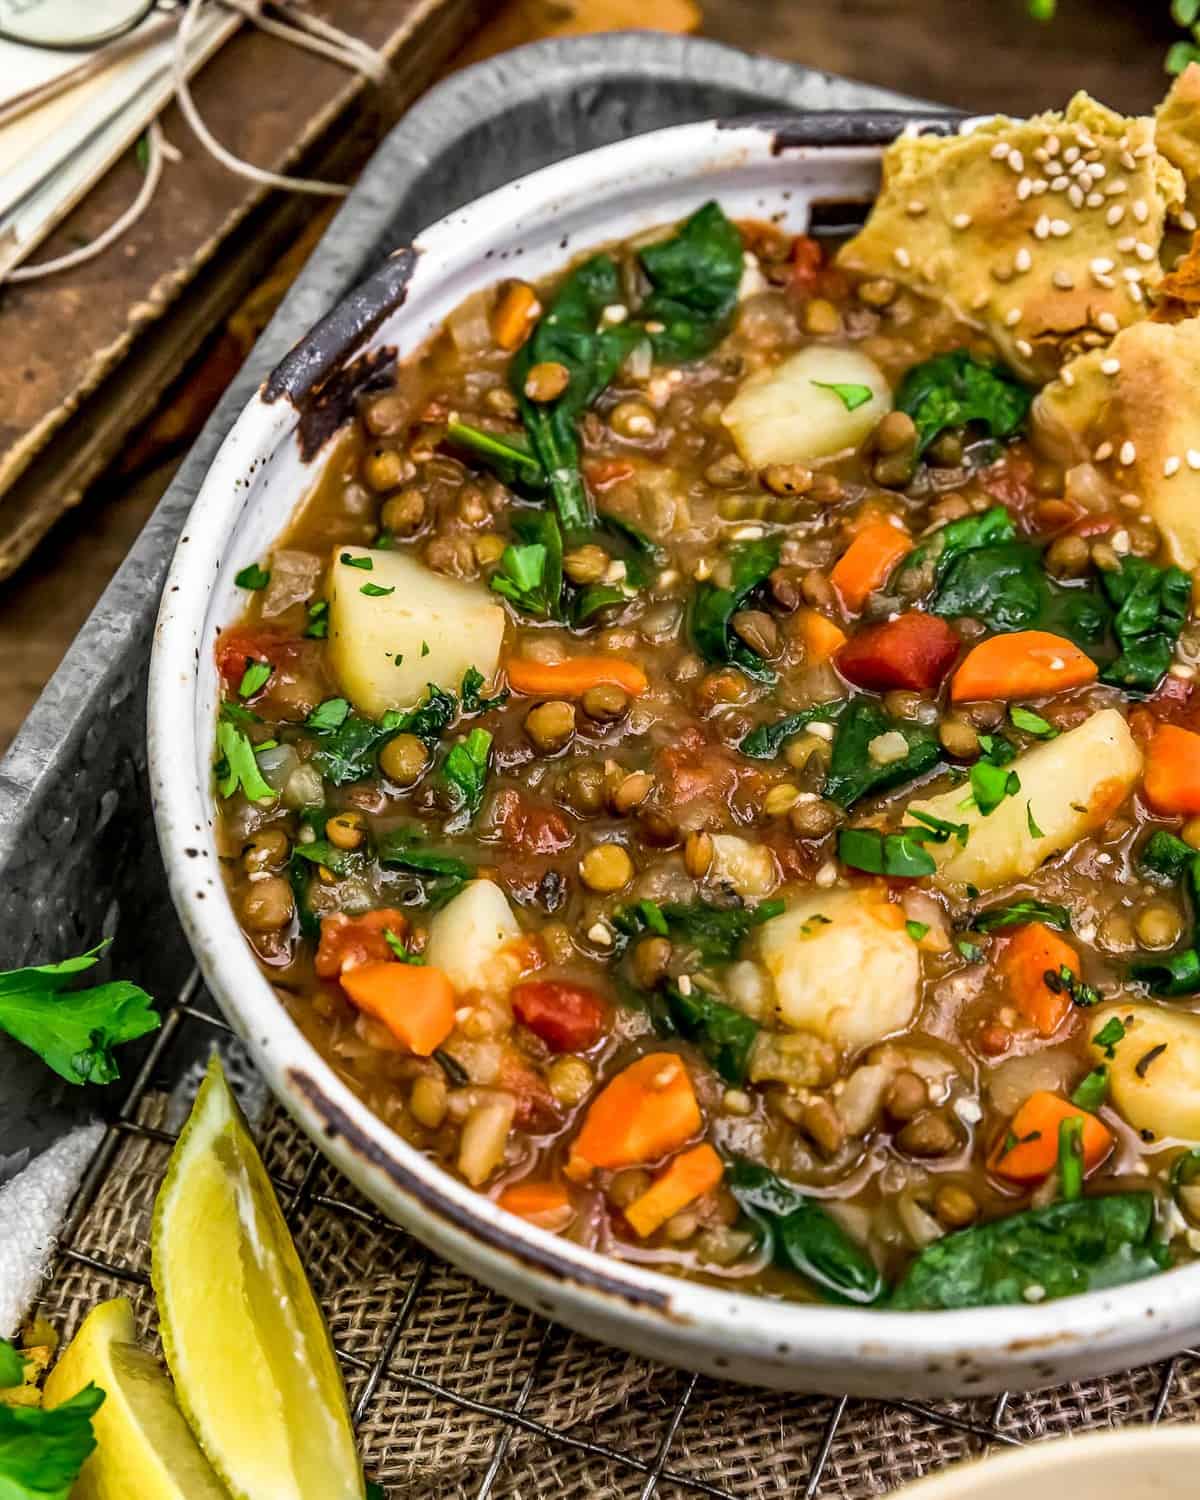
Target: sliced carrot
x=648 y=1110
x=1172 y=782
x=573 y=677
x=414 y=1001
x=689 y=1177
x=819 y=635
x=1028 y=1149
x=546 y=1204
x=1026 y=664
x=1032 y=952
x=514 y=315
x=867 y=561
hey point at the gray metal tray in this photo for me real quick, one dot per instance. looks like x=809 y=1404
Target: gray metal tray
x=78 y=856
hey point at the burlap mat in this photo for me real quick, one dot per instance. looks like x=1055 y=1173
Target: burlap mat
x=456 y=1362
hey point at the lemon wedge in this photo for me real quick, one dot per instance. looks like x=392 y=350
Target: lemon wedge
x=143 y=1445
x=254 y=1366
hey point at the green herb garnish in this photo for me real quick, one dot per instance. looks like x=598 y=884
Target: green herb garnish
x=1031 y=723
x=254 y=678
x=896 y=854
x=954 y=389
x=377 y=590
x=365 y=563
x=253 y=577
x=851 y=396
x=916 y=930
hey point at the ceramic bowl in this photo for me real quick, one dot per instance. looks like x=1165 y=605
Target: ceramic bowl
x=787 y=170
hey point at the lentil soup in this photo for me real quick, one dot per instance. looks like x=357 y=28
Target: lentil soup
x=715 y=764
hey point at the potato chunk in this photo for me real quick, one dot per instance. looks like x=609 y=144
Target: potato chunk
x=844 y=967
x=377 y=642
x=1071 y=784
x=1165 y=1096
x=466 y=938
x=789 y=415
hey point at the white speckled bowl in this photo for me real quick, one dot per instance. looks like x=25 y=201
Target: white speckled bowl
x=270 y=460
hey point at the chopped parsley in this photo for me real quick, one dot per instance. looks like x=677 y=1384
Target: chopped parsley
x=377 y=590
x=1093 y=1090
x=1031 y=822
x=364 y=563
x=916 y=930
x=1109 y=1036
x=331 y=714
x=237 y=767
x=253 y=577
x=990 y=782
x=897 y=854
x=318 y=623
x=1031 y=723
x=254 y=678
x=1020 y=912
x=851 y=396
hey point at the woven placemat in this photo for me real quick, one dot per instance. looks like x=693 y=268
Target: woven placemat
x=457 y=1392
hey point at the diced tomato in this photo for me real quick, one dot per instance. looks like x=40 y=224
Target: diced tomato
x=1010 y=480
x=567 y=1017
x=912 y=651
x=601 y=472
x=807 y=261
x=1094 y=526
x=695 y=770
x=257 y=643
x=536 y=1109
x=528 y=828
x=349 y=941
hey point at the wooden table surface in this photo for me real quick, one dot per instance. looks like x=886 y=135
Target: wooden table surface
x=978 y=54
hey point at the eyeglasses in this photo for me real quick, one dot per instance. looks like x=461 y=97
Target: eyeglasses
x=69 y=25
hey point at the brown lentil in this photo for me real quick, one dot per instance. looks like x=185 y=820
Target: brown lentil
x=547 y=381
x=606 y=868
x=403 y=759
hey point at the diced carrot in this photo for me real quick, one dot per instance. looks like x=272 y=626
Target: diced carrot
x=1172 y=781
x=689 y=1177
x=646 y=1111
x=1026 y=664
x=514 y=315
x=347 y=941
x=819 y=635
x=867 y=561
x=414 y=1001
x=1032 y=952
x=1028 y=1149
x=572 y=678
x=546 y=1204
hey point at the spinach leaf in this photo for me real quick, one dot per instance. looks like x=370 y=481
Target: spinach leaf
x=765 y=742
x=1175 y=973
x=506 y=454
x=439 y=877
x=12 y=1366
x=997 y=918
x=464 y=775
x=723 y=1035
x=1077 y=1246
x=897 y=854
x=716 y=932
x=253 y=577
x=43 y=1449
x=1166 y=855
x=430 y=719
x=954 y=389
x=695 y=276
x=802 y=1235
x=322 y=852
x=348 y=752
x=713 y=608
x=74 y=1032
x=1152 y=607
x=572 y=334
x=471 y=699
x=956 y=537
x=530 y=573
x=1005 y=587
x=328 y=715
x=853 y=774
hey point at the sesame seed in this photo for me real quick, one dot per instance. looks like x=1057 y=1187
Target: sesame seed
x=1104 y=281
x=1094 y=200
x=1115 y=214
x=1002 y=273
x=1059 y=228
x=999 y=150
x=1144 y=150
x=1126 y=243
x=1193 y=458
x=1103 y=451
x=1023 y=260
x=1128 y=161
x=1059 y=184
x=1119 y=541
x=1075 y=197
x=1016 y=161
x=1110 y=366
x=1071 y=153
x=1063 y=280
x=1040 y=186
x=1085 y=181
x=1141 y=210
x=902 y=258
x=1054 y=168
x=1143 y=251
x=1130 y=502
x=1053 y=145
x=1024 y=188
x=1135 y=292
x=961 y=221
x=1067 y=377
x=1078 y=168
x=1172 y=465
x=1098 y=170
x=1106 y=322
x=1187 y=220
x=1012 y=317
x=1040 y=153
x=916 y=208
x=1042 y=228
x=1116 y=187
x=981 y=301
x=1131 y=273
x=1128 y=453
x=1025 y=348
x=1101 y=265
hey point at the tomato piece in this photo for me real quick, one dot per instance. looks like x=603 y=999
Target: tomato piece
x=1010 y=479
x=529 y=828
x=912 y=651
x=347 y=942
x=601 y=472
x=267 y=643
x=807 y=260
x=567 y=1017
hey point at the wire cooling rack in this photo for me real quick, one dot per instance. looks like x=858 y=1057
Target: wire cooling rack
x=686 y=1436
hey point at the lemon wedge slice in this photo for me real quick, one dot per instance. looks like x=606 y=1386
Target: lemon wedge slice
x=143 y=1445
x=254 y=1366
